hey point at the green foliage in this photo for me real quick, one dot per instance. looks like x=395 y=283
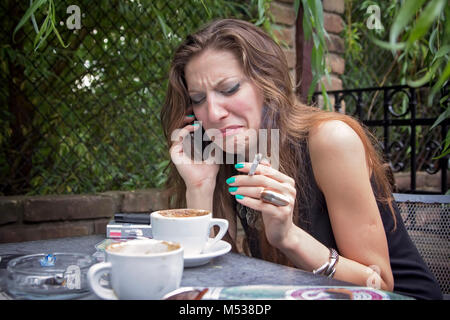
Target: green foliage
x=314 y=29
x=412 y=48
x=413 y=24
x=414 y=43
x=91 y=97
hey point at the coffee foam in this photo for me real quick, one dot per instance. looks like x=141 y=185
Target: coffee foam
x=183 y=213
x=142 y=247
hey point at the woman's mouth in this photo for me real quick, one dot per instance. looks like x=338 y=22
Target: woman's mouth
x=231 y=130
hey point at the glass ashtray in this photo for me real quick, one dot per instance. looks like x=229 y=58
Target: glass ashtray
x=49 y=276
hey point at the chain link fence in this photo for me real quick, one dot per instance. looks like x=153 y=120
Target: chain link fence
x=85 y=118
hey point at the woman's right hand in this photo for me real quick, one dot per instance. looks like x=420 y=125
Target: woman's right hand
x=195 y=175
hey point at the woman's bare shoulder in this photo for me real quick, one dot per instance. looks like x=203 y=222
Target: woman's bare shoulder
x=334 y=136
x=336 y=152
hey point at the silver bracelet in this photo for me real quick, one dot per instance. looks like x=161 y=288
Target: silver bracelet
x=322 y=268
x=328 y=269
x=334 y=257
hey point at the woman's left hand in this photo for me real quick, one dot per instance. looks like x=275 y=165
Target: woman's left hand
x=247 y=189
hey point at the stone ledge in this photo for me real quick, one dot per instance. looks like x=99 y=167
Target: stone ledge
x=138 y=201
x=143 y=201
x=26 y=232
x=67 y=207
x=27 y=218
x=11 y=209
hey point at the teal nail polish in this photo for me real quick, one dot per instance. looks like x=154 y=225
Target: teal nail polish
x=195 y=124
x=239 y=197
x=190 y=115
x=232 y=189
x=230 y=180
x=239 y=165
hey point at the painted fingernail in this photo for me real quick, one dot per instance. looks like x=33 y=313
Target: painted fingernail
x=195 y=124
x=239 y=165
x=239 y=197
x=190 y=115
x=230 y=180
x=232 y=189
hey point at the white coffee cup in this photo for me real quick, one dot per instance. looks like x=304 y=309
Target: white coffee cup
x=139 y=270
x=189 y=227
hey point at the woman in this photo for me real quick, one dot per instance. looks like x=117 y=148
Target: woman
x=339 y=219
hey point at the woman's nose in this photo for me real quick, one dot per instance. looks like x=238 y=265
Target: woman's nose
x=216 y=108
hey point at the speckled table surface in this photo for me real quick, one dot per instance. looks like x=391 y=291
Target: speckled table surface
x=231 y=269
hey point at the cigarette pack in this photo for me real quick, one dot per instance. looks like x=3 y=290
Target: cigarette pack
x=121 y=230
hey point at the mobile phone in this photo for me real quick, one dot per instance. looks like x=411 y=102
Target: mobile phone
x=194 y=145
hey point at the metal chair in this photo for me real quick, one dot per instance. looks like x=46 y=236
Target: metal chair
x=426 y=218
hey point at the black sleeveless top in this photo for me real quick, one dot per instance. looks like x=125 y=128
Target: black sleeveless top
x=412 y=276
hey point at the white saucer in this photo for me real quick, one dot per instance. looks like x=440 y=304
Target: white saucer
x=219 y=249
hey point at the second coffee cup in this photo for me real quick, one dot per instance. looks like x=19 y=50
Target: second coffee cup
x=189 y=227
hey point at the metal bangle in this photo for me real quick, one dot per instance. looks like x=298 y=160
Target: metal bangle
x=331 y=275
x=334 y=257
x=322 y=268
x=328 y=268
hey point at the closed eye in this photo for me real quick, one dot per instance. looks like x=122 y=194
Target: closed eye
x=232 y=90
x=197 y=99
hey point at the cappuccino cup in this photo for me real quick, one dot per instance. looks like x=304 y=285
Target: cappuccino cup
x=189 y=227
x=139 y=270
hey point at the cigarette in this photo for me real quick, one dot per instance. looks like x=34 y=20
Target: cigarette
x=256 y=161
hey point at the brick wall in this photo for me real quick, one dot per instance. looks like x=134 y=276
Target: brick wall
x=284 y=18
x=27 y=218
x=333 y=23
x=283 y=13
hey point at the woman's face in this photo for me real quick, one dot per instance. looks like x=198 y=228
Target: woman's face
x=224 y=98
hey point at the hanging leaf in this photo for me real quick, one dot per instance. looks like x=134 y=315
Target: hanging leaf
x=405 y=15
x=445 y=76
x=44 y=29
x=426 y=78
x=445 y=115
x=55 y=30
x=36 y=5
x=313 y=28
x=426 y=19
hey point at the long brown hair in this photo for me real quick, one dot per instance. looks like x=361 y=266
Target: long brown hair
x=264 y=63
